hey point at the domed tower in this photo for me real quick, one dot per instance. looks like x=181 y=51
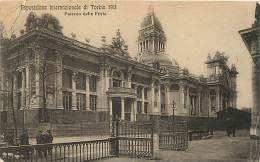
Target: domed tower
x=151 y=41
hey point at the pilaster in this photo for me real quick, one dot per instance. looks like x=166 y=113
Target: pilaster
x=167 y=99
x=27 y=86
x=122 y=108
x=74 y=78
x=87 y=93
x=59 y=99
x=142 y=100
x=23 y=90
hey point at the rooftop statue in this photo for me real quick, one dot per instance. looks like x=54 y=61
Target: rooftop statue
x=45 y=21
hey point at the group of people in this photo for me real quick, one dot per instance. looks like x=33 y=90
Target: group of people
x=41 y=138
x=44 y=138
x=231 y=127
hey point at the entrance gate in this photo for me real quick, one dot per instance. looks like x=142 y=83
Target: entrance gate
x=173 y=135
x=133 y=139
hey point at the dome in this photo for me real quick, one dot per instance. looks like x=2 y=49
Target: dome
x=151 y=19
x=162 y=59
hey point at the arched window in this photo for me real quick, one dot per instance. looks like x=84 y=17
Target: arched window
x=117 y=79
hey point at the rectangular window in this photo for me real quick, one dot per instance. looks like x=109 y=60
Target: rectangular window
x=66 y=79
x=146 y=107
x=116 y=83
x=145 y=93
x=81 y=81
x=92 y=83
x=139 y=107
x=81 y=101
x=19 y=80
x=139 y=92
x=93 y=102
x=67 y=98
x=133 y=86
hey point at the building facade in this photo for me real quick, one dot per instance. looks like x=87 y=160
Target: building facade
x=251 y=38
x=56 y=78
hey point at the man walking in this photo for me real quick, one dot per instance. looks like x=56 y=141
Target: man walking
x=24 y=140
x=39 y=140
x=49 y=140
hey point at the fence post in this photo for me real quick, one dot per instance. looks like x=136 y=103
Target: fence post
x=152 y=147
x=114 y=150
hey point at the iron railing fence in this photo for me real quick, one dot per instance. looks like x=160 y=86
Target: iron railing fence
x=62 y=152
x=133 y=139
x=132 y=129
x=173 y=135
x=135 y=147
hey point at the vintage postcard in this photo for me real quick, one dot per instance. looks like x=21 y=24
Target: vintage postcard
x=129 y=81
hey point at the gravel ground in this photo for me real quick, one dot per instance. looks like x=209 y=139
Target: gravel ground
x=220 y=148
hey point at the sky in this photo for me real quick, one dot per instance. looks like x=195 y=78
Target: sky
x=193 y=30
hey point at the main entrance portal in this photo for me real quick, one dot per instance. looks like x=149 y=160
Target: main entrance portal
x=123 y=108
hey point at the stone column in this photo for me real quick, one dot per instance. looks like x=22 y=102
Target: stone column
x=142 y=100
x=152 y=98
x=129 y=79
x=218 y=99
x=27 y=85
x=87 y=93
x=15 y=97
x=110 y=107
x=74 y=99
x=159 y=99
x=59 y=99
x=167 y=99
x=198 y=100
x=122 y=108
x=188 y=101
x=40 y=53
x=132 y=118
x=181 y=94
x=209 y=103
x=134 y=108
x=23 y=92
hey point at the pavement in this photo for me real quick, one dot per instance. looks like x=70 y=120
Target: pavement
x=219 y=148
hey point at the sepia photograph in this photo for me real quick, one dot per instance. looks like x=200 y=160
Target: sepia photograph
x=129 y=81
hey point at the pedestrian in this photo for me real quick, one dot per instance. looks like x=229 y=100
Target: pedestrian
x=228 y=126
x=24 y=140
x=233 y=128
x=49 y=140
x=39 y=140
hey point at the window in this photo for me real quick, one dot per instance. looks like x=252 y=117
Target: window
x=81 y=101
x=139 y=107
x=67 y=97
x=81 y=82
x=66 y=79
x=145 y=93
x=146 y=107
x=19 y=80
x=93 y=83
x=93 y=102
x=139 y=92
x=116 y=83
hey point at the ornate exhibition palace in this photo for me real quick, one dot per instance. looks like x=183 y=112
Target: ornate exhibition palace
x=47 y=76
